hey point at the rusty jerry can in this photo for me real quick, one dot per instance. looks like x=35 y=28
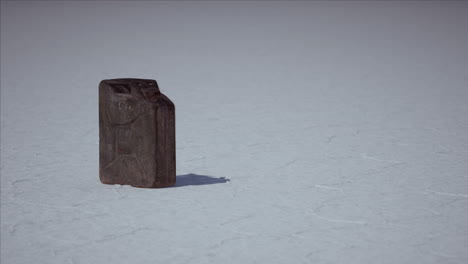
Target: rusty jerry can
x=136 y=134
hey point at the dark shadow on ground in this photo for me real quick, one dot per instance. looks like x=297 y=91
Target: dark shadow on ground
x=195 y=179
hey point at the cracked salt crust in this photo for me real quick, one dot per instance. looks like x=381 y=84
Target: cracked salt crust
x=340 y=130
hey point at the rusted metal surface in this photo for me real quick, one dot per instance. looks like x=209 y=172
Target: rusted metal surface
x=136 y=134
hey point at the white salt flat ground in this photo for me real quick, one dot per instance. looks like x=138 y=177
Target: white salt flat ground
x=340 y=128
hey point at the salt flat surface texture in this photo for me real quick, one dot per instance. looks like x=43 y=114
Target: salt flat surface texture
x=307 y=132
